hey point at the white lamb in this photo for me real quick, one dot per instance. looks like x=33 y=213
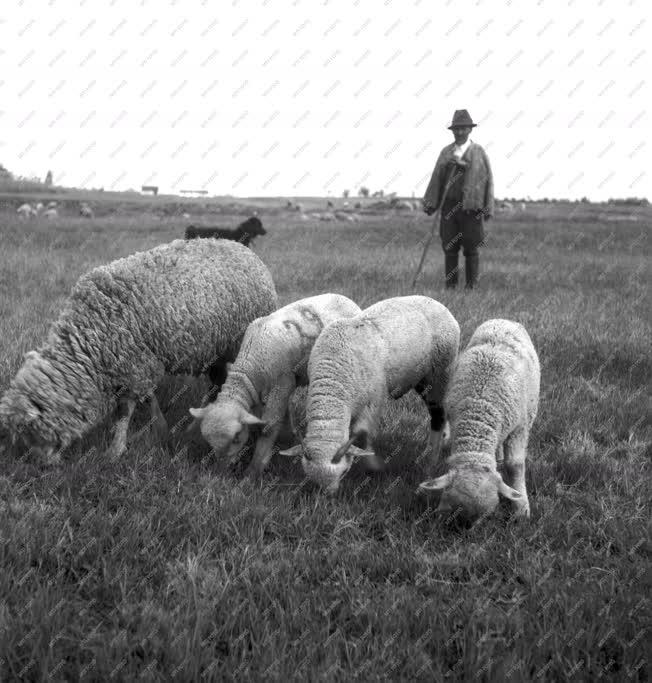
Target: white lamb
x=391 y=347
x=272 y=360
x=25 y=211
x=491 y=403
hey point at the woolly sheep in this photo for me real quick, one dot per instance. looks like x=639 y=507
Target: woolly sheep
x=491 y=403
x=180 y=308
x=403 y=205
x=25 y=211
x=391 y=347
x=50 y=214
x=272 y=360
x=85 y=211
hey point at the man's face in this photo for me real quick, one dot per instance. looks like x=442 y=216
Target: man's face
x=461 y=134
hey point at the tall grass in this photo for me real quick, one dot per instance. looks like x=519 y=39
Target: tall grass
x=167 y=565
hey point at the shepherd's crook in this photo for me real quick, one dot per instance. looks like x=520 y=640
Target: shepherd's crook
x=426 y=246
x=436 y=217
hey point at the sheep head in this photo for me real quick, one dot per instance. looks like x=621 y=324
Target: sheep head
x=26 y=410
x=225 y=427
x=326 y=464
x=473 y=490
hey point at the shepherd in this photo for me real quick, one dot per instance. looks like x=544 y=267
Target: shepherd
x=462 y=190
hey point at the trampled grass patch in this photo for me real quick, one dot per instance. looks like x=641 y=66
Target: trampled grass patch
x=167 y=565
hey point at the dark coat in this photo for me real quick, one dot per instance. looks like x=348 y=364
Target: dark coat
x=478 y=191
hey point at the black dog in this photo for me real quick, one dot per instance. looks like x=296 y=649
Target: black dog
x=244 y=233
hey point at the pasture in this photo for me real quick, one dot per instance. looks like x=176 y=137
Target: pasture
x=168 y=565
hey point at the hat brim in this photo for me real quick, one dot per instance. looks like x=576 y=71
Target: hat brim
x=462 y=125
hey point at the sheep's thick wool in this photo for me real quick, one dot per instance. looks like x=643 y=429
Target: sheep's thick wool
x=175 y=309
x=394 y=346
x=272 y=359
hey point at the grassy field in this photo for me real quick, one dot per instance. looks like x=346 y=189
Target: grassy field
x=167 y=565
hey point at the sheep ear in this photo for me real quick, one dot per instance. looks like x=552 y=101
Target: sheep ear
x=360 y=452
x=370 y=460
x=508 y=492
x=197 y=413
x=292 y=452
x=438 y=484
x=249 y=419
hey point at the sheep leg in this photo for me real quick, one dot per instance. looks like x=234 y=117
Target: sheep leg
x=276 y=409
x=515 y=450
x=158 y=423
x=430 y=395
x=119 y=444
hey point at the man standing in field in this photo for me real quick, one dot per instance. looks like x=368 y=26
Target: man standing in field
x=462 y=187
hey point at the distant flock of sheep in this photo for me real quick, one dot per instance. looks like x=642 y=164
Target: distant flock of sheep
x=26 y=211
x=209 y=306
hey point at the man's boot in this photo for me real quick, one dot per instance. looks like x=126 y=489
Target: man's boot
x=451 y=261
x=472 y=266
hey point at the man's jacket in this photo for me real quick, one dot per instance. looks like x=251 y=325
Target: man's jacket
x=478 y=190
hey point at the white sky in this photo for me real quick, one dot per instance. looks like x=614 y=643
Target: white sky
x=310 y=97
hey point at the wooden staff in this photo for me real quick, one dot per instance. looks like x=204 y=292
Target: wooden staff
x=436 y=215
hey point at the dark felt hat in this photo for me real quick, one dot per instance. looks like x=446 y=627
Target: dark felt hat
x=461 y=117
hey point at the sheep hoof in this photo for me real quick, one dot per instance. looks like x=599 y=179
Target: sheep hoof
x=254 y=472
x=113 y=453
x=159 y=433
x=374 y=463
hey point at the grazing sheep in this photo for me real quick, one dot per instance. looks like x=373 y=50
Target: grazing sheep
x=50 y=214
x=85 y=211
x=39 y=207
x=403 y=205
x=326 y=216
x=391 y=347
x=25 y=211
x=491 y=402
x=244 y=233
x=180 y=308
x=273 y=359
x=52 y=205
